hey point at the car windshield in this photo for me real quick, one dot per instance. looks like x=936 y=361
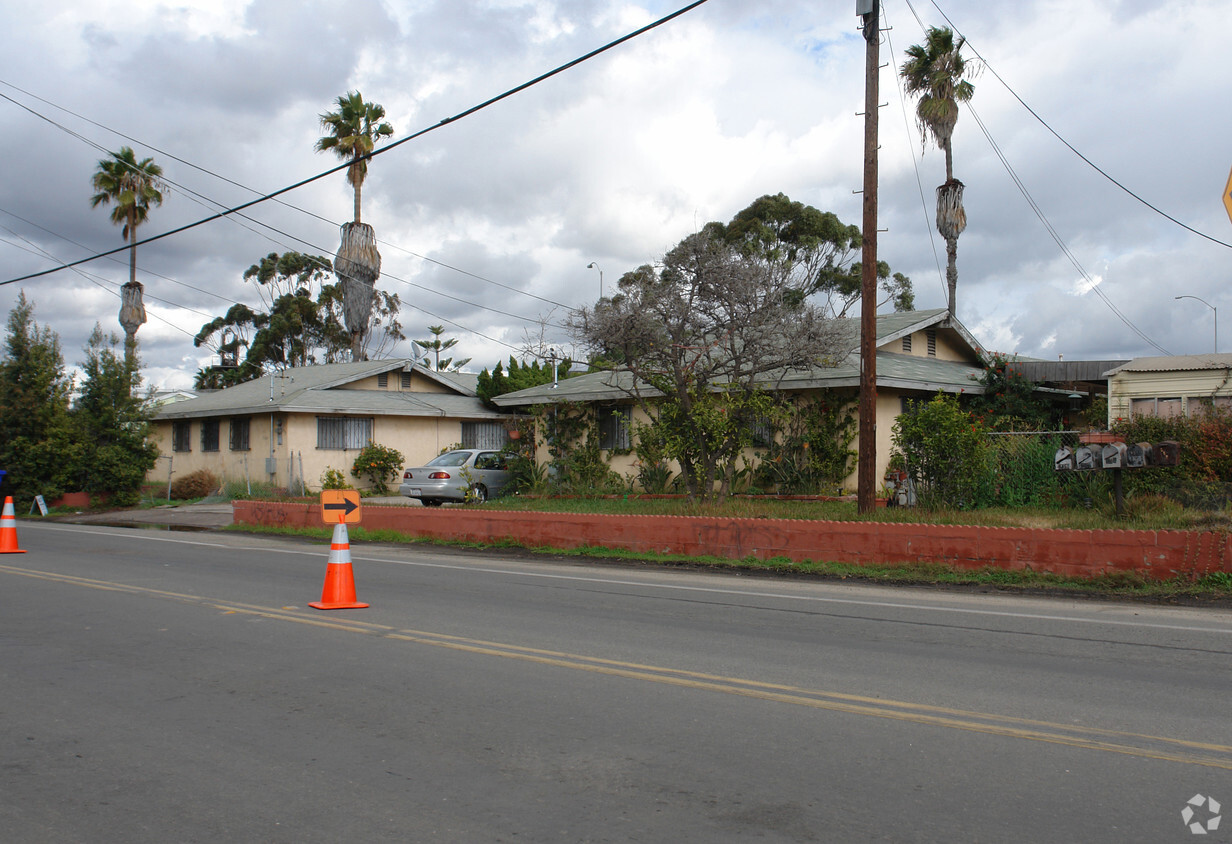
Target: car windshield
x=450 y=458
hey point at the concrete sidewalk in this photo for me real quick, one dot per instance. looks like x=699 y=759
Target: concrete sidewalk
x=199 y=516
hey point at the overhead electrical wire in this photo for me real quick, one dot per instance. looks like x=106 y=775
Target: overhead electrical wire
x=919 y=180
x=383 y=150
x=208 y=172
x=1101 y=294
x=1070 y=146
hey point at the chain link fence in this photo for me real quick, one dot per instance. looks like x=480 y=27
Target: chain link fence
x=1023 y=471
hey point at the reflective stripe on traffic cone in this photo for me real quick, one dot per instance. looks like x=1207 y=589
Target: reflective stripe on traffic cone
x=8 y=529
x=339 y=590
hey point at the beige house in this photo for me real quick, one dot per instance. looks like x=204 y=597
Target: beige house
x=1180 y=385
x=918 y=354
x=289 y=428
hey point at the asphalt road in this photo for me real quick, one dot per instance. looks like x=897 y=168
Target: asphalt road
x=166 y=687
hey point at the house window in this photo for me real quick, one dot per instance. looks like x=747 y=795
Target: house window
x=239 y=433
x=907 y=344
x=614 y=428
x=209 y=434
x=181 y=436
x=382 y=380
x=343 y=433
x=484 y=435
x=406 y=380
x=761 y=432
x=1166 y=408
x=932 y=342
x=1200 y=407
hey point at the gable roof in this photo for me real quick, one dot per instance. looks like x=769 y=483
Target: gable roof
x=893 y=370
x=316 y=389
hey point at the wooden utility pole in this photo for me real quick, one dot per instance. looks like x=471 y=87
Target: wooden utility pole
x=866 y=476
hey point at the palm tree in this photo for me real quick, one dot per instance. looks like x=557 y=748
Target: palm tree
x=132 y=186
x=354 y=130
x=934 y=73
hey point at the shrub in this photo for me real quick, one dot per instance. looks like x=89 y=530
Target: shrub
x=946 y=452
x=379 y=464
x=196 y=484
x=334 y=479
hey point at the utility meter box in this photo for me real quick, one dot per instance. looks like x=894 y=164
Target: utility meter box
x=1113 y=455
x=1088 y=457
x=1139 y=455
x=1064 y=459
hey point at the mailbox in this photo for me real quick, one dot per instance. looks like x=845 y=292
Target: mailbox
x=1113 y=455
x=1139 y=455
x=1088 y=457
x=1064 y=459
x=1168 y=453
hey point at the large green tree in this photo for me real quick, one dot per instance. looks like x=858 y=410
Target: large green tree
x=111 y=425
x=935 y=73
x=706 y=334
x=811 y=251
x=130 y=187
x=353 y=130
x=302 y=322
x=36 y=442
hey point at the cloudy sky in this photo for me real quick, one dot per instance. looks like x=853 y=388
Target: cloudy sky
x=488 y=224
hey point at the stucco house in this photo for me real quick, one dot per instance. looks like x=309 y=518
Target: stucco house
x=290 y=427
x=918 y=354
x=1177 y=385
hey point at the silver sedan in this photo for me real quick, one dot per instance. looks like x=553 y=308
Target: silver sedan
x=460 y=475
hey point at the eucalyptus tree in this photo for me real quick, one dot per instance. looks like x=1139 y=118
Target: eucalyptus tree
x=131 y=186
x=935 y=73
x=353 y=131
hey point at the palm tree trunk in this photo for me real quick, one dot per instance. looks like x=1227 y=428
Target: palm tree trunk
x=951 y=270
x=358 y=189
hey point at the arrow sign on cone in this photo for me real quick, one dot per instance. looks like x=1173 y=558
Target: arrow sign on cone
x=339 y=506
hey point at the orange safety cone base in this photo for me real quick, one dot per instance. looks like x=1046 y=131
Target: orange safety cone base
x=338 y=593
x=339 y=590
x=8 y=529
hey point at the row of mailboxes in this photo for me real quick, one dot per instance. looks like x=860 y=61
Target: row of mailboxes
x=1117 y=456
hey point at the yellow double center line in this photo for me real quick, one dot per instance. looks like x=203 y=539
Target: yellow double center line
x=1091 y=738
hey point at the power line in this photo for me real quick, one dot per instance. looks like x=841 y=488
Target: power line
x=240 y=185
x=346 y=164
x=1070 y=146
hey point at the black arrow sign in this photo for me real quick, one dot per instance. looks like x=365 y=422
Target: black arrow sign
x=346 y=505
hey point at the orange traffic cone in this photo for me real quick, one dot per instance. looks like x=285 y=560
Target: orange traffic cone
x=339 y=590
x=8 y=529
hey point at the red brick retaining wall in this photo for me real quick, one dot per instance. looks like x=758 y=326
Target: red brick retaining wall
x=1159 y=554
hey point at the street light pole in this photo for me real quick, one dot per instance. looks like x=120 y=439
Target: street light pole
x=593 y=266
x=1213 y=309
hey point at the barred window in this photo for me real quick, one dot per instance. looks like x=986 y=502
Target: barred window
x=931 y=335
x=382 y=380
x=406 y=380
x=614 y=427
x=907 y=344
x=239 y=433
x=343 y=433
x=761 y=430
x=181 y=436
x=484 y=435
x=209 y=434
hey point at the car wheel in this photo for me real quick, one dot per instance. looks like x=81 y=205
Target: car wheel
x=479 y=493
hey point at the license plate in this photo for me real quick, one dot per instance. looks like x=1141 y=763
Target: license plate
x=415 y=493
